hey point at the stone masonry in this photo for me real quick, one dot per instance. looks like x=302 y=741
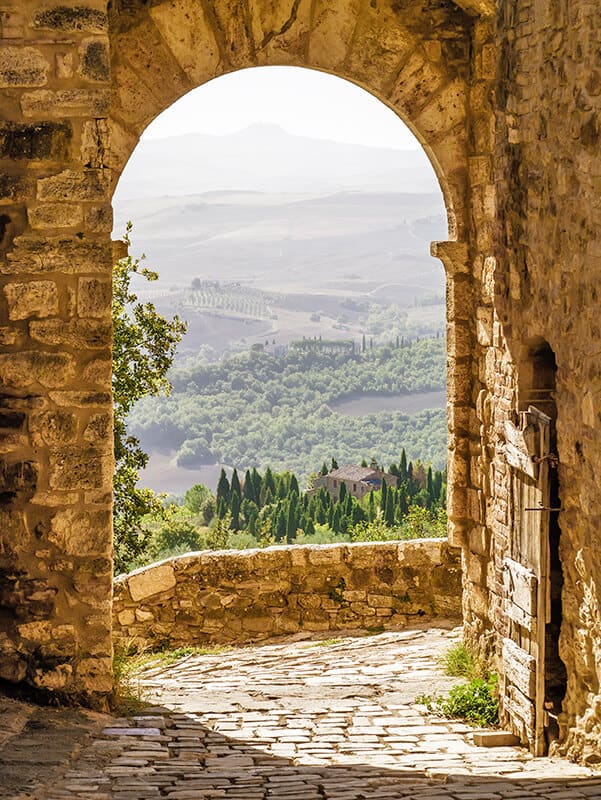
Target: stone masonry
x=503 y=95
x=245 y=596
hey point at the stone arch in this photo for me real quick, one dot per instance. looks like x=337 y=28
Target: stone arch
x=162 y=50
x=81 y=82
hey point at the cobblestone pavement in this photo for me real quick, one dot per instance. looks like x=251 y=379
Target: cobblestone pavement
x=305 y=720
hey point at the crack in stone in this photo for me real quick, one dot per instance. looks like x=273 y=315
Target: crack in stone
x=285 y=27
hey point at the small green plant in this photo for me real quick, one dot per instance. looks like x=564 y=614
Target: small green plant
x=476 y=702
x=126 y=697
x=430 y=701
x=460 y=662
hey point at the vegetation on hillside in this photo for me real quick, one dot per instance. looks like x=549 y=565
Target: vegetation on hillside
x=257 y=409
x=268 y=508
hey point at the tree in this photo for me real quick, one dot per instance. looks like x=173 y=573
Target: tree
x=196 y=497
x=144 y=345
x=223 y=493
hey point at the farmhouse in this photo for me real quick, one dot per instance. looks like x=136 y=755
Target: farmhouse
x=359 y=481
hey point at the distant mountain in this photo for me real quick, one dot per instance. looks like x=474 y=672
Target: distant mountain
x=265 y=158
x=348 y=241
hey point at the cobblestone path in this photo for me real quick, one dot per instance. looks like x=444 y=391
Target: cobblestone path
x=305 y=721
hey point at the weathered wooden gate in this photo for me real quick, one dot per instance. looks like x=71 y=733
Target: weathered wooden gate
x=526 y=579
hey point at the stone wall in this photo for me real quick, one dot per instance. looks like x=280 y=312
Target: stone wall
x=79 y=82
x=56 y=459
x=245 y=596
x=548 y=171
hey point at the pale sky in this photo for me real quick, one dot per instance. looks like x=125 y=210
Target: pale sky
x=302 y=101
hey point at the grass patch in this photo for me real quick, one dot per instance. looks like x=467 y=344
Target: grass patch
x=126 y=697
x=460 y=662
x=476 y=702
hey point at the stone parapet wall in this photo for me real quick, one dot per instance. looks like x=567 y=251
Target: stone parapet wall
x=245 y=596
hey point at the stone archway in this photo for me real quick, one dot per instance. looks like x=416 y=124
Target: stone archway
x=79 y=94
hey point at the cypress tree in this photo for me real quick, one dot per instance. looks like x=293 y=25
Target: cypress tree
x=389 y=511
x=235 y=483
x=403 y=466
x=257 y=483
x=280 y=528
x=335 y=524
x=248 y=490
x=384 y=493
x=291 y=522
x=235 y=511
x=294 y=488
x=342 y=493
x=223 y=489
x=268 y=481
x=334 y=464
x=324 y=469
x=430 y=488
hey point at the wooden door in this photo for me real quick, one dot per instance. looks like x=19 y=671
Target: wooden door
x=526 y=585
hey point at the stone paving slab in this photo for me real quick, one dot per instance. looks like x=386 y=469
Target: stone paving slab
x=304 y=721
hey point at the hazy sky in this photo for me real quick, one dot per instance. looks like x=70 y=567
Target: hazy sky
x=302 y=101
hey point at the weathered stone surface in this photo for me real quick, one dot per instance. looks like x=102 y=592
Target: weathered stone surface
x=30 y=367
x=72 y=185
x=32 y=299
x=94 y=60
x=71 y=18
x=65 y=103
x=150 y=581
x=22 y=67
x=93 y=297
x=53 y=216
x=79 y=468
x=85 y=334
x=37 y=140
x=253 y=594
x=81 y=533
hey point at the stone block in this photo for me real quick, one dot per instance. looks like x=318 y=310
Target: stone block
x=94 y=60
x=99 y=428
x=22 y=67
x=98 y=371
x=80 y=334
x=55 y=427
x=126 y=617
x=93 y=297
x=495 y=739
x=65 y=103
x=35 y=140
x=151 y=581
x=82 y=533
x=55 y=215
x=79 y=469
x=35 y=253
x=62 y=17
x=25 y=369
x=324 y=554
x=70 y=185
x=32 y=299
x=81 y=399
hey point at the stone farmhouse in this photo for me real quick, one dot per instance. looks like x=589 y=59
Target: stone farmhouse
x=359 y=481
x=505 y=98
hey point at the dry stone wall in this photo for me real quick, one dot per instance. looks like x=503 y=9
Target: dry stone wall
x=245 y=596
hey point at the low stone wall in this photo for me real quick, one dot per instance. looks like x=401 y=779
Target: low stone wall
x=245 y=596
